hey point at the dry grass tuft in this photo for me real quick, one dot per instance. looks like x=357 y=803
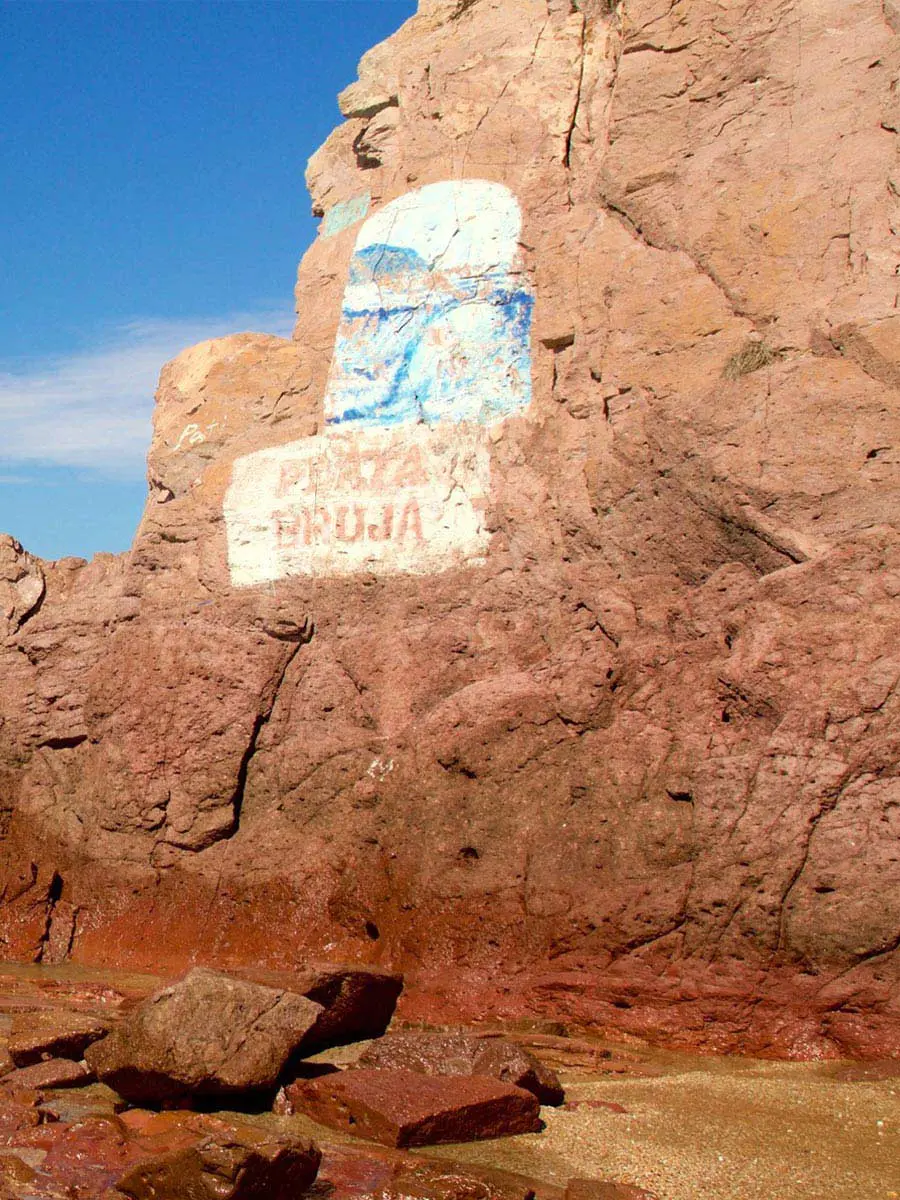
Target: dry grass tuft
x=751 y=357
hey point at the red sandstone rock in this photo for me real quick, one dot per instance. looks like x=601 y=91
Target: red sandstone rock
x=53 y=1033
x=207 y=1035
x=403 y=1108
x=357 y=1002
x=458 y=1053
x=244 y=1164
x=355 y=1171
x=16 y=1114
x=609 y=769
x=52 y=1073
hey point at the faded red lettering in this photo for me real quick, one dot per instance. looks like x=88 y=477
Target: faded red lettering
x=410 y=470
x=290 y=475
x=293 y=529
x=376 y=460
x=340 y=523
x=383 y=533
x=410 y=521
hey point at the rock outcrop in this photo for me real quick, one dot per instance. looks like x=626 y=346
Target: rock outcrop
x=206 y=1035
x=524 y=622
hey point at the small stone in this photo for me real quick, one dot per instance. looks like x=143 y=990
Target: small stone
x=404 y=1108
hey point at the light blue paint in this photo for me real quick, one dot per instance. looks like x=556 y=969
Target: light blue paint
x=346 y=213
x=436 y=321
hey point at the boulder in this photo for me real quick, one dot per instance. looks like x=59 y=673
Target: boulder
x=357 y=1002
x=356 y=1171
x=241 y=1164
x=54 y=1033
x=206 y=1035
x=405 y=1108
x=52 y=1073
x=458 y=1053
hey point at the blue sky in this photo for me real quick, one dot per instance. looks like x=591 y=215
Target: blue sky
x=151 y=194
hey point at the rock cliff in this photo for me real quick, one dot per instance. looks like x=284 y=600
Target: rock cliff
x=525 y=621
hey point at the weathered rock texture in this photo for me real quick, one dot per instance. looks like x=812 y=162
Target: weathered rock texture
x=455 y=1053
x=637 y=767
x=207 y=1035
x=404 y=1108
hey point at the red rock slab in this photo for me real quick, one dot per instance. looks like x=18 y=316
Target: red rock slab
x=403 y=1108
x=358 y=1172
x=53 y=1073
x=15 y=1115
x=86 y=1158
x=456 y=1052
x=52 y=1033
x=237 y=1164
x=600 y=1189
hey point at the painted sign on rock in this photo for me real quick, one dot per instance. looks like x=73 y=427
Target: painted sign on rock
x=432 y=348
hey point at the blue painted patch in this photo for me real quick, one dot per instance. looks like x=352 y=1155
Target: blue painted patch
x=346 y=213
x=436 y=322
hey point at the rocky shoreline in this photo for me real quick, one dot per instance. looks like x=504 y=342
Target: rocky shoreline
x=618 y=1120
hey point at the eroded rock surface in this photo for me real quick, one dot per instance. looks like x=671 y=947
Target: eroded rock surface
x=230 y=1165
x=564 y=657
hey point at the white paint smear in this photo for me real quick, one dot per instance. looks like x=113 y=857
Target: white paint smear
x=402 y=500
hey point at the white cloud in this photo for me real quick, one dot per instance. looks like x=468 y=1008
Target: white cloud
x=92 y=409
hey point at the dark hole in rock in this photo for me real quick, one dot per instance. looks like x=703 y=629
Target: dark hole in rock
x=372 y=931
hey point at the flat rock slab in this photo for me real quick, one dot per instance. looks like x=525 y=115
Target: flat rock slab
x=207 y=1035
x=52 y=1033
x=53 y=1073
x=404 y=1108
x=358 y=1172
x=241 y=1164
x=458 y=1053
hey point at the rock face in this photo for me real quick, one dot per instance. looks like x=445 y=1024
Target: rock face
x=404 y=1108
x=528 y=611
x=461 y=1054
x=208 y=1035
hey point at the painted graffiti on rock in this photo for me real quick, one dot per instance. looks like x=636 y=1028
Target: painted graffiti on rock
x=436 y=318
x=344 y=214
x=392 y=501
x=433 y=347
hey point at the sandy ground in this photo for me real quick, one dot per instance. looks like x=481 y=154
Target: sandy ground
x=721 y=1129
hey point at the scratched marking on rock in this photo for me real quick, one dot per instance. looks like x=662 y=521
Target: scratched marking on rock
x=433 y=347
